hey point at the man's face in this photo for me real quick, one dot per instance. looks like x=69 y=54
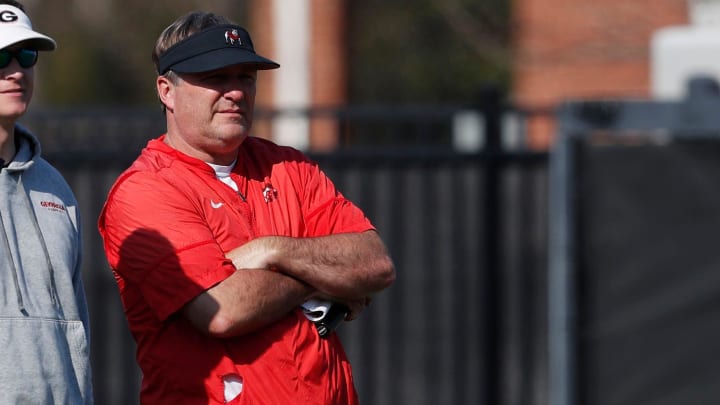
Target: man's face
x=212 y=111
x=16 y=89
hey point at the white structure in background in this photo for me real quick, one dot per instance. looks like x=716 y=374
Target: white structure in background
x=468 y=131
x=680 y=52
x=292 y=92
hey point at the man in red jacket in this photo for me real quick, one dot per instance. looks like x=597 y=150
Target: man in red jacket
x=223 y=244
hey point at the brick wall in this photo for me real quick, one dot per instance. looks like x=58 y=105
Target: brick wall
x=328 y=71
x=571 y=49
x=328 y=66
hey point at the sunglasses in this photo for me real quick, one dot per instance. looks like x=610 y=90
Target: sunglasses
x=25 y=57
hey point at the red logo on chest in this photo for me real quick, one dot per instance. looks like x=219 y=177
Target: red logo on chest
x=52 y=206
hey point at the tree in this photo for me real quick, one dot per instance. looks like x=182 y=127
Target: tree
x=399 y=50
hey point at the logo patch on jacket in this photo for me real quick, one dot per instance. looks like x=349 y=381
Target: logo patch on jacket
x=269 y=193
x=52 y=206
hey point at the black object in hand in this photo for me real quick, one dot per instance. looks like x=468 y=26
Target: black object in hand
x=331 y=320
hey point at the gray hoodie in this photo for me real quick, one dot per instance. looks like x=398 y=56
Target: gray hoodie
x=44 y=327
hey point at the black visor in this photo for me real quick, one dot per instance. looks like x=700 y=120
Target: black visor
x=213 y=48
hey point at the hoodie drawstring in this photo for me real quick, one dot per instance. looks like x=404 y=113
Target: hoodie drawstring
x=48 y=262
x=18 y=293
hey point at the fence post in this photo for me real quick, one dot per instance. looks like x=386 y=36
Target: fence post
x=490 y=105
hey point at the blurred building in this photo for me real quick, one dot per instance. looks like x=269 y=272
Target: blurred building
x=309 y=37
x=684 y=51
x=563 y=50
x=586 y=49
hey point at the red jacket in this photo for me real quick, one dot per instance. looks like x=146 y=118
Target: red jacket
x=167 y=224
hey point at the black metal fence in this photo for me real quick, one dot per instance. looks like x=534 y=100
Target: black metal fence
x=465 y=323
x=633 y=271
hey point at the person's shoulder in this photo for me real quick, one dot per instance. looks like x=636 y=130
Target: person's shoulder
x=142 y=177
x=44 y=169
x=47 y=168
x=135 y=190
x=143 y=174
x=148 y=164
x=152 y=158
x=43 y=178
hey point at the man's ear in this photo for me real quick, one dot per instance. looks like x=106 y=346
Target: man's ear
x=166 y=92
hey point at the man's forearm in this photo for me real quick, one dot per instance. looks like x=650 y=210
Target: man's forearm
x=348 y=266
x=246 y=301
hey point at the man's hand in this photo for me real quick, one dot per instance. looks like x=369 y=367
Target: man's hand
x=356 y=307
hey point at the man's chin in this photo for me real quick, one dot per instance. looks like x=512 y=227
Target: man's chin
x=234 y=130
x=12 y=111
x=231 y=139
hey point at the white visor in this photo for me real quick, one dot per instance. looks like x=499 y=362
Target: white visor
x=15 y=27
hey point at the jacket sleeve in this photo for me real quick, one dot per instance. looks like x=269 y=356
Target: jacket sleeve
x=77 y=278
x=327 y=210
x=156 y=237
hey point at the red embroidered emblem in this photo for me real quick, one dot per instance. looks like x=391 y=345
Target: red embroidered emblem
x=269 y=193
x=232 y=37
